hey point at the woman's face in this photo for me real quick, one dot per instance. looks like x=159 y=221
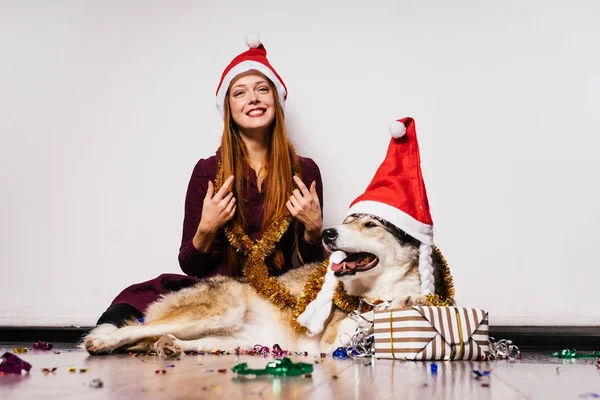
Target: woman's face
x=252 y=102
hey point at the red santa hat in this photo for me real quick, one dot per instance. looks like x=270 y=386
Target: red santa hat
x=255 y=58
x=396 y=194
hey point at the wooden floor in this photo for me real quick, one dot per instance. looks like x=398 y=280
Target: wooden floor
x=536 y=376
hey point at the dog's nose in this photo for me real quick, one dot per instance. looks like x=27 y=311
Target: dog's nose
x=330 y=234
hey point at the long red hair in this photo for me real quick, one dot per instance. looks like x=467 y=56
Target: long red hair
x=277 y=172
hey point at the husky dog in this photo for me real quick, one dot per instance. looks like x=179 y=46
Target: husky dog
x=225 y=313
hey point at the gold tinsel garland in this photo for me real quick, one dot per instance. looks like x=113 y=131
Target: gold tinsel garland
x=447 y=294
x=312 y=287
x=255 y=269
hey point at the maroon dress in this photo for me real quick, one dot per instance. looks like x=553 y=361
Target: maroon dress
x=196 y=264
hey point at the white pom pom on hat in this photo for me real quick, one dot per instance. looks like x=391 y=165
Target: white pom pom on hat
x=397 y=129
x=253 y=40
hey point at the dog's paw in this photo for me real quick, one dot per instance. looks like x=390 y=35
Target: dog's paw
x=408 y=301
x=95 y=346
x=168 y=346
x=98 y=341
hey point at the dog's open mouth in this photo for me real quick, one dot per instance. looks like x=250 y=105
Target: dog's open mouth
x=354 y=263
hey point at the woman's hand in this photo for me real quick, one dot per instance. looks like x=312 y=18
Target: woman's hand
x=217 y=209
x=304 y=205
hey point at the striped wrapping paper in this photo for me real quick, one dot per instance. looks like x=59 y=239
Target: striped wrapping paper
x=431 y=333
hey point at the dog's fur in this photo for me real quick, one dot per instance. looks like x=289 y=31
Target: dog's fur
x=225 y=313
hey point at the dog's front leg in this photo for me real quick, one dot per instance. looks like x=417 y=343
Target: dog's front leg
x=340 y=334
x=107 y=337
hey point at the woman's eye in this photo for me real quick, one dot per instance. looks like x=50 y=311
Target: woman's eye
x=263 y=89
x=238 y=93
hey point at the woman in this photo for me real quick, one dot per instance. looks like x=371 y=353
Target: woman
x=248 y=189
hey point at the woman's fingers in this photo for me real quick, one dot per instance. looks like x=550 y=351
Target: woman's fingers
x=302 y=186
x=291 y=208
x=296 y=204
x=230 y=209
x=228 y=206
x=296 y=193
x=313 y=192
x=210 y=190
x=224 y=189
x=226 y=200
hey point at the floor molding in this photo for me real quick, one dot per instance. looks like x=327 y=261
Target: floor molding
x=549 y=337
x=525 y=337
x=24 y=334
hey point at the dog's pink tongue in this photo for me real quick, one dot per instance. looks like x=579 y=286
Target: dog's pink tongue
x=335 y=267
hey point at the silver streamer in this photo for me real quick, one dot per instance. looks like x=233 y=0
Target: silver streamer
x=503 y=349
x=362 y=342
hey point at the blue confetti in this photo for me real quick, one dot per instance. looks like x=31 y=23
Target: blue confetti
x=481 y=374
x=340 y=353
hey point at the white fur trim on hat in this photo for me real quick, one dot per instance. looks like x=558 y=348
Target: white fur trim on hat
x=243 y=67
x=317 y=312
x=420 y=231
x=397 y=129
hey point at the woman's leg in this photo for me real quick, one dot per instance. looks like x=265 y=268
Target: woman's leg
x=135 y=298
x=119 y=314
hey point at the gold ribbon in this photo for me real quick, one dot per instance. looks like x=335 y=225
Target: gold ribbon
x=392 y=334
x=461 y=349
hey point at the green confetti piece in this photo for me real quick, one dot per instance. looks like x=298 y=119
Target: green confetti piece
x=568 y=353
x=279 y=367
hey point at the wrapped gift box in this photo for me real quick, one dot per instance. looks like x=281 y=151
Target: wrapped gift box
x=431 y=333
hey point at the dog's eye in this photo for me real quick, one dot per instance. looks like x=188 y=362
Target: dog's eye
x=370 y=224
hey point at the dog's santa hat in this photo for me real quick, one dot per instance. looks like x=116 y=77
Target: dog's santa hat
x=396 y=194
x=255 y=58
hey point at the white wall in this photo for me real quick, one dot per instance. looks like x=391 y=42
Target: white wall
x=105 y=107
